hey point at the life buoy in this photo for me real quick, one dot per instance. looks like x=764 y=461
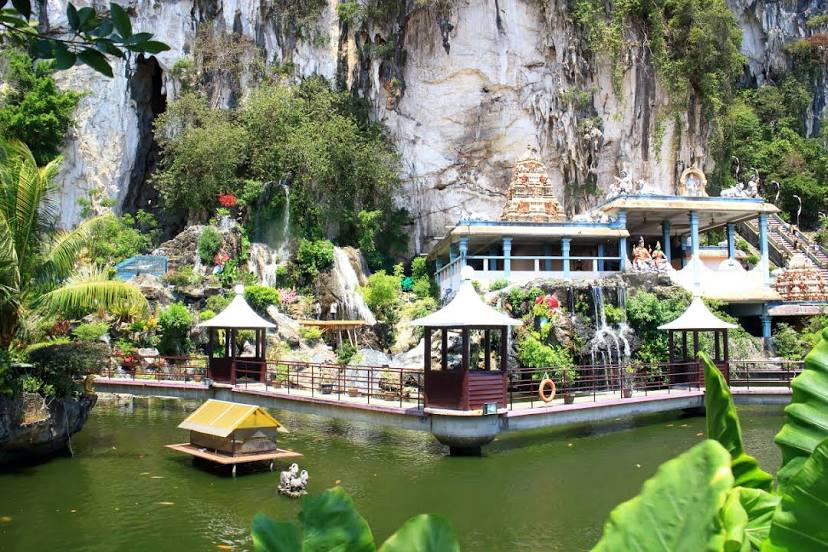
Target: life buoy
x=546 y=382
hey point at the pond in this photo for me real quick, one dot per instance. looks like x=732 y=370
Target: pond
x=549 y=490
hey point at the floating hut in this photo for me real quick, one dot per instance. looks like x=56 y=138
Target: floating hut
x=228 y=433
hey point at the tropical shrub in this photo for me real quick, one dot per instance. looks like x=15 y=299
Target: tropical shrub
x=310 y=333
x=218 y=302
x=423 y=288
x=261 y=297
x=91 y=331
x=61 y=364
x=646 y=311
x=209 y=243
x=788 y=343
x=382 y=293
x=206 y=314
x=498 y=284
x=38 y=262
x=175 y=323
x=313 y=257
x=34 y=110
x=118 y=238
x=345 y=353
x=182 y=277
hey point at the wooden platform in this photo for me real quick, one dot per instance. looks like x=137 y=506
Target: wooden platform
x=279 y=454
x=333 y=324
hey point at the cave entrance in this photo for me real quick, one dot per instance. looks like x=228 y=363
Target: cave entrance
x=147 y=91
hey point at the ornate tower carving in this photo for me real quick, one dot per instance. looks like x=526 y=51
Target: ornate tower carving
x=530 y=197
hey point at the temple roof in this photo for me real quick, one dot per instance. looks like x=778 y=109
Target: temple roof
x=466 y=309
x=237 y=314
x=531 y=197
x=697 y=317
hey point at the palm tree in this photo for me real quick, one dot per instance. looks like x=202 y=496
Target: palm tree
x=38 y=262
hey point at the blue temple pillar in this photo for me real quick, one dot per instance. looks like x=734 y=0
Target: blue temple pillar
x=731 y=240
x=452 y=252
x=507 y=256
x=464 y=250
x=695 y=260
x=565 y=242
x=600 y=257
x=622 y=253
x=763 y=247
x=492 y=262
x=438 y=264
x=766 y=329
x=547 y=252
x=666 y=227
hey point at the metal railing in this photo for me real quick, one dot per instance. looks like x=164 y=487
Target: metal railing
x=159 y=368
x=764 y=373
x=598 y=382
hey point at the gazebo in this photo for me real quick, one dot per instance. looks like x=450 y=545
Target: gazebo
x=466 y=387
x=696 y=319
x=236 y=316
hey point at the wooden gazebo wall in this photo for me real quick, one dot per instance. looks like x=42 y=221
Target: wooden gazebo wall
x=225 y=369
x=681 y=359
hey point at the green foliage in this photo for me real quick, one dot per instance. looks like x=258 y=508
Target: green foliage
x=646 y=311
x=206 y=314
x=37 y=261
x=313 y=257
x=613 y=314
x=209 y=243
x=182 y=277
x=91 y=331
x=345 y=353
x=677 y=508
x=218 y=302
x=788 y=343
x=367 y=230
x=175 y=323
x=261 y=297
x=723 y=426
x=382 y=294
x=498 y=284
x=118 y=238
x=804 y=425
x=419 y=268
x=330 y=522
x=91 y=36
x=534 y=352
x=424 y=287
x=32 y=108
x=310 y=333
x=203 y=151
x=60 y=365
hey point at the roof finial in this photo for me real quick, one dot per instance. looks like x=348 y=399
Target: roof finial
x=239 y=289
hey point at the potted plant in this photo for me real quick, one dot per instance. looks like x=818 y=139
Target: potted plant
x=280 y=377
x=326 y=383
x=628 y=380
x=565 y=374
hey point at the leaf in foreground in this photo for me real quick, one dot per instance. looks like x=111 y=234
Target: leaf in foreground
x=800 y=522
x=806 y=417
x=723 y=426
x=331 y=522
x=423 y=533
x=678 y=508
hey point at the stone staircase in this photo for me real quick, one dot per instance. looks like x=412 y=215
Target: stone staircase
x=784 y=241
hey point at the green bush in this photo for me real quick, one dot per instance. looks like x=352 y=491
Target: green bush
x=382 y=293
x=230 y=273
x=91 y=331
x=646 y=311
x=182 y=277
x=209 y=243
x=419 y=268
x=423 y=288
x=218 y=302
x=34 y=110
x=206 y=315
x=789 y=343
x=261 y=297
x=310 y=333
x=345 y=354
x=60 y=365
x=498 y=284
x=313 y=257
x=613 y=314
x=175 y=323
x=118 y=238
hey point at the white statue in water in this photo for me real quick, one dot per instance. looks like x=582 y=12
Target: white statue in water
x=292 y=482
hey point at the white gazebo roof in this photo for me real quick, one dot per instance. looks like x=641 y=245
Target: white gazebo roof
x=237 y=314
x=466 y=309
x=697 y=317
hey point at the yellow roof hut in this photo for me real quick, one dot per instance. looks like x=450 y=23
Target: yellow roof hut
x=232 y=433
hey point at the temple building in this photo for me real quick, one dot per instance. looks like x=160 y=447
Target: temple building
x=634 y=229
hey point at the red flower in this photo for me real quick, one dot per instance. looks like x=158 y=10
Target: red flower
x=539 y=299
x=552 y=302
x=227 y=200
x=221 y=257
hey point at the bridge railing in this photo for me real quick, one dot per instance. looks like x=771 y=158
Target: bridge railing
x=159 y=368
x=764 y=373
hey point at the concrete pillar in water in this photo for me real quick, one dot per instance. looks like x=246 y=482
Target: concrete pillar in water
x=507 y=256
x=565 y=242
x=666 y=227
x=731 y=240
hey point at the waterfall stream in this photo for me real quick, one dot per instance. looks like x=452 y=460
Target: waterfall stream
x=609 y=344
x=272 y=245
x=346 y=288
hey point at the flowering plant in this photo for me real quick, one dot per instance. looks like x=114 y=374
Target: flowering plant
x=221 y=257
x=545 y=306
x=287 y=296
x=227 y=200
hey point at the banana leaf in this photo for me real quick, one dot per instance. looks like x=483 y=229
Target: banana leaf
x=678 y=508
x=723 y=426
x=800 y=522
x=806 y=418
x=746 y=518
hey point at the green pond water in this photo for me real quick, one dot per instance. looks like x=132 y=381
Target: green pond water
x=542 y=490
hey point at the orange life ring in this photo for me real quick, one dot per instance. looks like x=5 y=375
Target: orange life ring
x=543 y=384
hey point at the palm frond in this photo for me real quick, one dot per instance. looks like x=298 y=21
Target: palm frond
x=90 y=290
x=61 y=255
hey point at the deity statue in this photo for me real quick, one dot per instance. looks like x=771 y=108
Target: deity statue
x=753 y=185
x=693 y=183
x=642 y=259
x=659 y=258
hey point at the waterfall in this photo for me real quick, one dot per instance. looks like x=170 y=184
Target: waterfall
x=609 y=344
x=263 y=261
x=283 y=249
x=346 y=288
x=272 y=242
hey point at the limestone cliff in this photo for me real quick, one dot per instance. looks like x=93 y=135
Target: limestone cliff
x=462 y=85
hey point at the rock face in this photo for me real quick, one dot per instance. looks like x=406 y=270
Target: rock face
x=182 y=250
x=23 y=438
x=505 y=73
